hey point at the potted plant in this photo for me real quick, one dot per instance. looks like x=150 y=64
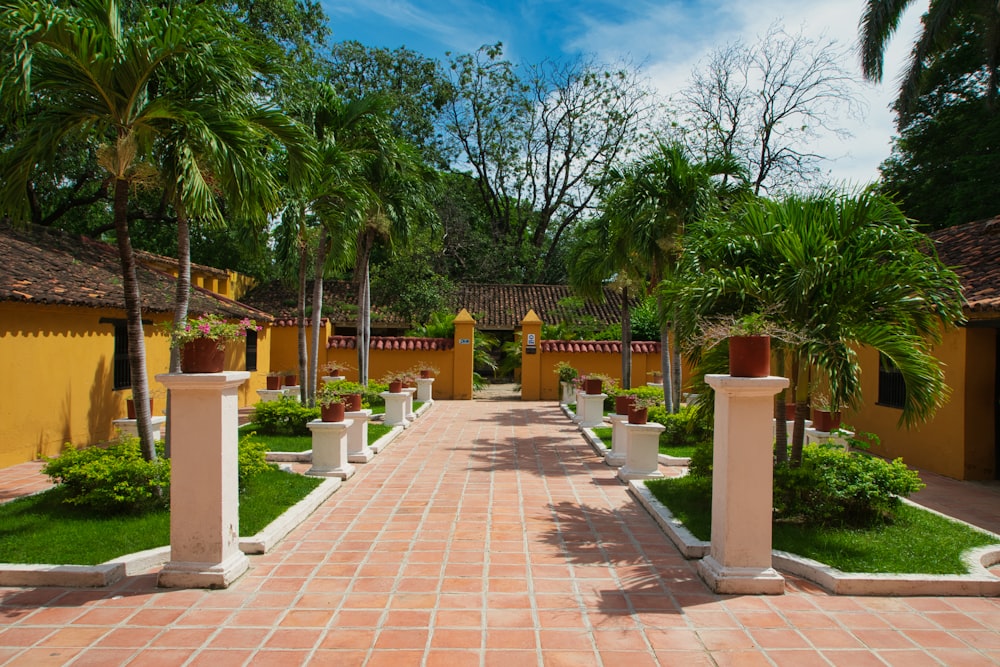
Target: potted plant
x=291 y=378
x=750 y=346
x=624 y=403
x=336 y=368
x=332 y=402
x=130 y=406
x=352 y=392
x=395 y=381
x=203 y=339
x=656 y=377
x=273 y=380
x=594 y=383
x=425 y=370
x=567 y=377
x=826 y=416
x=639 y=412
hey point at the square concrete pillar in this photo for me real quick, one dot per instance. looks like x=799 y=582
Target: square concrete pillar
x=590 y=409
x=425 y=387
x=410 y=391
x=615 y=457
x=358 y=450
x=268 y=395
x=642 y=449
x=740 y=558
x=395 y=409
x=204 y=480
x=329 y=452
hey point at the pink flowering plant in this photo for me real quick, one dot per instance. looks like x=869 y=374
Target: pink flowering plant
x=213 y=327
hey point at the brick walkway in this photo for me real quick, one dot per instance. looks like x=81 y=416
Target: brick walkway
x=487 y=534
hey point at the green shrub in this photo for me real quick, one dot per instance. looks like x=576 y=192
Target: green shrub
x=372 y=395
x=702 y=460
x=836 y=487
x=681 y=429
x=252 y=459
x=638 y=392
x=116 y=479
x=283 y=417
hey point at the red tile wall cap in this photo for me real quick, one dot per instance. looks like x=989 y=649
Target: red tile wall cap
x=392 y=343
x=294 y=322
x=598 y=346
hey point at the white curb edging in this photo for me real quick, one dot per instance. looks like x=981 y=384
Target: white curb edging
x=689 y=545
x=276 y=531
x=384 y=441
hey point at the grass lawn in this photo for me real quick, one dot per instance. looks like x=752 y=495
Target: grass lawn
x=917 y=542
x=604 y=433
x=303 y=443
x=41 y=529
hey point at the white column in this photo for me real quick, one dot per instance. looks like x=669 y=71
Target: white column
x=204 y=486
x=642 y=448
x=267 y=395
x=566 y=395
x=395 y=409
x=740 y=558
x=410 y=391
x=329 y=453
x=590 y=409
x=292 y=392
x=425 y=388
x=358 y=450
x=615 y=456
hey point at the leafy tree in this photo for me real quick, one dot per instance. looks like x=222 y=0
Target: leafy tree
x=945 y=23
x=765 y=105
x=540 y=141
x=103 y=79
x=837 y=271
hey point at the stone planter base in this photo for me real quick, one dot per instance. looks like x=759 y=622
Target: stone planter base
x=740 y=580
x=641 y=452
x=267 y=395
x=131 y=426
x=329 y=454
x=203 y=575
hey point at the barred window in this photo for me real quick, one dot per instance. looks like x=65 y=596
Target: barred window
x=891 y=387
x=251 y=350
x=123 y=369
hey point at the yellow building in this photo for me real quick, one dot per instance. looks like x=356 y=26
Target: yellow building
x=961 y=440
x=63 y=339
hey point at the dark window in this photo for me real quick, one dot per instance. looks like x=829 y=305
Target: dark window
x=123 y=370
x=891 y=388
x=251 y=350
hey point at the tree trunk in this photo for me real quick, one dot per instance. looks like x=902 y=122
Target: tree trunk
x=133 y=313
x=317 y=314
x=676 y=381
x=665 y=360
x=626 y=341
x=780 y=424
x=364 y=332
x=303 y=354
x=182 y=297
x=801 y=413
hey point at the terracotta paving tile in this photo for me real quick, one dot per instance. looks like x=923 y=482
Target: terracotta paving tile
x=182 y=637
x=718 y=640
x=797 y=658
x=359 y=638
x=848 y=658
x=395 y=658
x=128 y=637
x=401 y=639
x=915 y=658
x=739 y=658
x=510 y=658
x=511 y=639
x=451 y=638
x=101 y=657
x=40 y=657
x=453 y=658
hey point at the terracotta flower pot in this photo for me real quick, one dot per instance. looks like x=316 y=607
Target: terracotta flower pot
x=638 y=415
x=273 y=382
x=396 y=387
x=130 y=407
x=202 y=355
x=425 y=374
x=789 y=412
x=593 y=387
x=623 y=404
x=750 y=356
x=353 y=402
x=332 y=413
x=825 y=421
x=333 y=372
x=291 y=380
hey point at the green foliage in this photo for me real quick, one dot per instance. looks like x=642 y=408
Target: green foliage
x=566 y=372
x=836 y=487
x=285 y=416
x=116 y=479
x=252 y=459
x=645 y=320
x=702 y=460
x=269 y=494
x=682 y=429
x=643 y=392
x=412 y=289
x=372 y=395
x=439 y=324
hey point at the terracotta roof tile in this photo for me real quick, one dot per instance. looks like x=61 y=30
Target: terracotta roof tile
x=603 y=346
x=39 y=265
x=391 y=343
x=973 y=250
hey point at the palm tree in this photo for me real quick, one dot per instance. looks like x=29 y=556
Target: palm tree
x=647 y=214
x=940 y=31
x=837 y=271
x=103 y=79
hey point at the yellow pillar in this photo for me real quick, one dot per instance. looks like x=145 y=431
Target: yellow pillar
x=531 y=357
x=465 y=331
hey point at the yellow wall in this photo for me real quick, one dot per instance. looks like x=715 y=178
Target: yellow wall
x=59 y=362
x=959 y=439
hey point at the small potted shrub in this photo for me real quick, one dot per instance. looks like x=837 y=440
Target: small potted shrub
x=594 y=383
x=750 y=347
x=336 y=368
x=395 y=382
x=639 y=412
x=352 y=392
x=624 y=403
x=826 y=416
x=332 y=402
x=203 y=339
x=273 y=380
x=130 y=406
x=291 y=378
x=425 y=370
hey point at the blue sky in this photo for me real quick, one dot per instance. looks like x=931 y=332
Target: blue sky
x=666 y=37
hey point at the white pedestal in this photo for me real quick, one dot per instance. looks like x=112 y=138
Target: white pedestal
x=292 y=392
x=821 y=437
x=204 y=494
x=566 y=393
x=358 y=450
x=395 y=409
x=333 y=378
x=615 y=457
x=410 y=391
x=268 y=395
x=425 y=390
x=131 y=427
x=590 y=409
x=642 y=448
x=740 y=558
x=577 y=393
x=329 y=453
x=789 y=425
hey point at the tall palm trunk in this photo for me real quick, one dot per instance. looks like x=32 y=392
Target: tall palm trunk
x=665 y=358
x=801 y=412
x=626 y=341
x=675 y=383
x=133 y=314
x=182 y=297
x=303 y=353
x=317 y=313
x=364 y=330
x=780 y=424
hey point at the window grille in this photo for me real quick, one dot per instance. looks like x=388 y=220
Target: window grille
x=891 y=387
x=123 y=370
x=251 y=350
